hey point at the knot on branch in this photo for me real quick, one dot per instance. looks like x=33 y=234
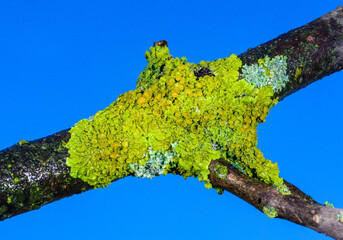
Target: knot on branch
x=162 y=43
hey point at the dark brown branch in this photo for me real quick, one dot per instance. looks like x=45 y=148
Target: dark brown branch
x=33 y=174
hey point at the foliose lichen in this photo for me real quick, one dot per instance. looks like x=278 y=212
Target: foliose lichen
x=270 y=211
x=268 y=72
x=156 y=164
x=209 y=117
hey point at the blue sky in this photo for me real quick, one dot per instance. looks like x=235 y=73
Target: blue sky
x=61 y=61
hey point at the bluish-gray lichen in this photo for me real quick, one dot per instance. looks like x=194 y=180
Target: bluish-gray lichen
x=268 y=71
x=157 y=162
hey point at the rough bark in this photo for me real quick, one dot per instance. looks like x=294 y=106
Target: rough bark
x=33 y=174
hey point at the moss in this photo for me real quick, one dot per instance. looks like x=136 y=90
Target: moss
x=270 y=211
x=195 y=119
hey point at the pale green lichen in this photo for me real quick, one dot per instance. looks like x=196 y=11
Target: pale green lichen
x=155 y=165
x=268 y=72
x=209 y=117
x=270 y=211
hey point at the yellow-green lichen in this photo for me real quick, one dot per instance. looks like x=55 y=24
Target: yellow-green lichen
x=327 y=204
x=16 y=180
x=298 y=73
x=22 y=142
x=270 y=211
x=198 y=119
x=221 y=171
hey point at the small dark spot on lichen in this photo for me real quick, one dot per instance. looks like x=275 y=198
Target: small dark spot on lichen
x=201 y=72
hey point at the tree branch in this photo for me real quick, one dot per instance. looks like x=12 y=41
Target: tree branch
x=313 y=51
x=296 y=207
x=34 y=173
